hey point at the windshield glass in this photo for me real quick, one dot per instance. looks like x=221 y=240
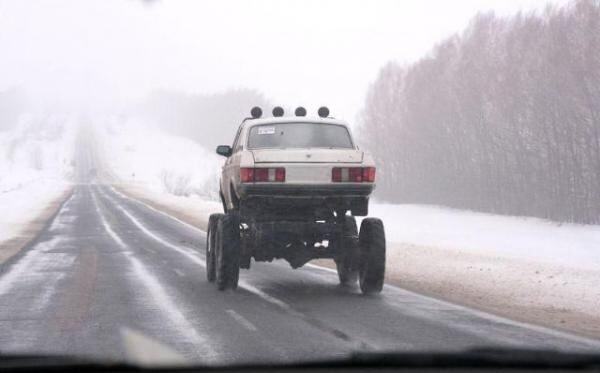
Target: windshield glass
x=299 y=135
x=238 y=182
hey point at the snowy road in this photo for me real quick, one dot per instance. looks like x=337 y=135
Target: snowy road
x=108 y=265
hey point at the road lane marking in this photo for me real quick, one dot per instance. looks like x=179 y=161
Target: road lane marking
x=160 y=296
x=197 y=260
x=242 y=320
x=245 y=285
x=442 y=304
x=188 y=252
x=283 y=305
x=357 y=344
x=320 y=268
x=179 y=273
x=122 y=195
x=139 y=225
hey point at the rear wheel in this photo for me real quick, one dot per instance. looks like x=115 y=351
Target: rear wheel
x=227 y=253
x=210 y=246
x=371 y=242
x=346 y=264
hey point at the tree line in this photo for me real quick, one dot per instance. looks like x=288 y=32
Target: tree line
x=503 y=118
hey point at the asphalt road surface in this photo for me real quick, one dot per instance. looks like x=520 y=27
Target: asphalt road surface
x=110 y=274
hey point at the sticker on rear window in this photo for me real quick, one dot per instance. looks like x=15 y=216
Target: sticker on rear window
x=266 y=130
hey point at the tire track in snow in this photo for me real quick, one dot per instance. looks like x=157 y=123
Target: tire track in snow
x=160 y=296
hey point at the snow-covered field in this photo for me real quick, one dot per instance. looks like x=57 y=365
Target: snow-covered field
x=36 y=166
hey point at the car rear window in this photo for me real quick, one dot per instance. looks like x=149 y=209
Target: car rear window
x=299 y=135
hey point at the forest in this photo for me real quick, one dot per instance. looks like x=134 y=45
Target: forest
x=502 y=118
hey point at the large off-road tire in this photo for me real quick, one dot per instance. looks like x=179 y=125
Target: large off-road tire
x=347 y=264
x=228 y=251
x=371 y=243
x=223 y=201
x=211 y=236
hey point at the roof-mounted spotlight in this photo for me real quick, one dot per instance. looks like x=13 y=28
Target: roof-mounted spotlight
x=300 y=111
x=256 y=112
x=277 y=111
x=323 y=112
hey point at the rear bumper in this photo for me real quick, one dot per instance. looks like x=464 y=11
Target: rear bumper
x=305 y=191
x=267 y=200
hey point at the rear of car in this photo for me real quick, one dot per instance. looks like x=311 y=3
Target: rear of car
x=311 y=165
x=291 y=188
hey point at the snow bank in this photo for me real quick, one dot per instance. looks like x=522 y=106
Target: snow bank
x=528 y=239
x=523 y=268
x=23 y=205
x=137 y=153
x=36 y=165
x=39 y=148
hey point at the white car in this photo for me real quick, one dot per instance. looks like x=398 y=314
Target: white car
x=291 y=187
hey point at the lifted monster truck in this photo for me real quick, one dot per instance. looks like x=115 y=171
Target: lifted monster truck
x=291 y=188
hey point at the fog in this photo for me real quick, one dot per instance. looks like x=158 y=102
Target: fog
x=105 y=55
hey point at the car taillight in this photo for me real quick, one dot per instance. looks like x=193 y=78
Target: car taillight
x=246 y=175
x=368 y=174
x=353 y=174
x=336 y=174
x=280 y=174
x=262 y=174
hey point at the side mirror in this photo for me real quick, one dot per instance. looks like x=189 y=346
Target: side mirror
x=224 y=150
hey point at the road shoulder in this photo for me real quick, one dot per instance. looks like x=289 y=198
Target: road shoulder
x=31 y=221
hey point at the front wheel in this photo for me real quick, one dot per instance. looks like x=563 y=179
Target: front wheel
x=371 y=242
x=227 y=253
x=211 y=246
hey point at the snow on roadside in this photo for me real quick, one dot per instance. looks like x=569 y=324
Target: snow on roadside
x=38 y=148
x=524 y=268
x=141 y=154
x=23 y=205
x=528 y=239
x=36 y=165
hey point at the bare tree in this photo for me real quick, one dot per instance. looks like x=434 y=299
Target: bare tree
x=503 y=118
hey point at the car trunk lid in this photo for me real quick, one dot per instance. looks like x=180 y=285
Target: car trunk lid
x=307 y=156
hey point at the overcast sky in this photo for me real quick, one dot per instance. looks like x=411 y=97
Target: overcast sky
x=307 y=52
